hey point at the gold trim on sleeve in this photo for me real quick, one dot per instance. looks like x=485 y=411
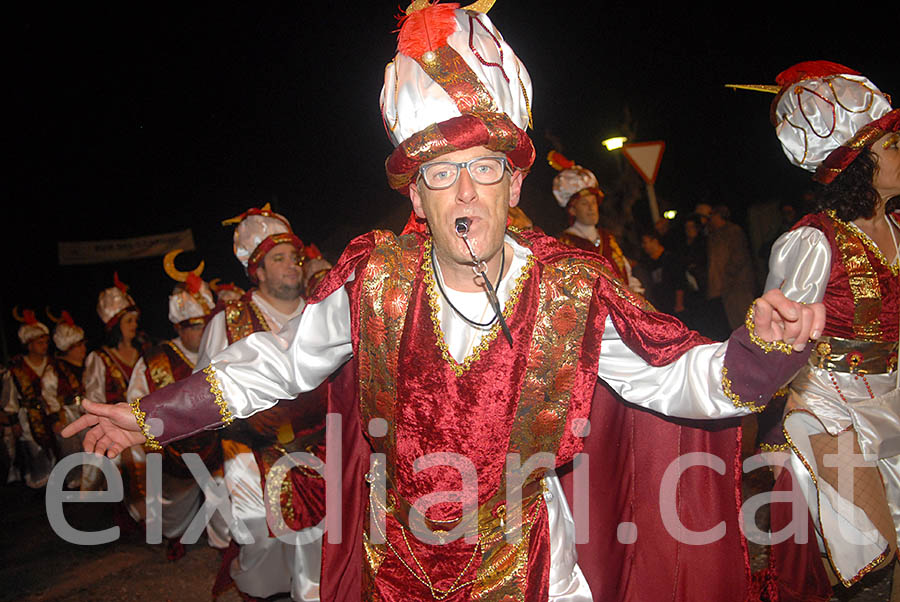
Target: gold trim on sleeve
x=734 y=397
x=766 y=346
x=216 y=390
x=774 y=447
x=140 y=416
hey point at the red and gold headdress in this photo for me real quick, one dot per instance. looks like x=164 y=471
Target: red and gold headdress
x=114 y=302
x=226 y=291
x=825 y=114
x=572 y=180
x=454 y=84
x=191 y=301
x=257 y=231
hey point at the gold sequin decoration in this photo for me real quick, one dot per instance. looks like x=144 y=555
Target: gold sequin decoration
x=894 y=267
x=216 y=390
x=863 y=278
x=770 y=447
x=140 y=416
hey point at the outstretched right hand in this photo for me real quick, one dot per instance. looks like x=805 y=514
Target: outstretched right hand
x=113 y=428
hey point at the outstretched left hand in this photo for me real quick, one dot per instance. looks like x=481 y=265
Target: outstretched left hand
x=778 y=319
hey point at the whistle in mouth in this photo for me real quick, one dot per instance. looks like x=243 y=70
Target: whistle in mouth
x=462 y=226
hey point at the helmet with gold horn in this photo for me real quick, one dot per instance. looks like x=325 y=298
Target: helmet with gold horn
x=31 y=328
x=226 y=292
x=191 y=301
x=66 y=333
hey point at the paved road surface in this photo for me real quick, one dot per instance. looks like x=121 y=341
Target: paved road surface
x=37 y=565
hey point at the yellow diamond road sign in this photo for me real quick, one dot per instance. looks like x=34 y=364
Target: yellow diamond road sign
x=645 y=157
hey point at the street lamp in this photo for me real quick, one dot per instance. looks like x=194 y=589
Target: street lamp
x=614 y=143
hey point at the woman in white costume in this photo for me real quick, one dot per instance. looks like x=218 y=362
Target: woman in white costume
x=107 y=372
x=833 y=121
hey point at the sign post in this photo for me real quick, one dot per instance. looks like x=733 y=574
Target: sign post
x=645 y=157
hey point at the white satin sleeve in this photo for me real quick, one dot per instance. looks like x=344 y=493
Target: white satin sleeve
x=264 y=367
x=689 y=387
x=800 y=265
x=10 y=394
x=213 y=341
x=50 y=389
x=138 y=386
x=95 y=378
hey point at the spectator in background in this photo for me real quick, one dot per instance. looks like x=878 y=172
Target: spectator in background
x=665 y=282
x=694 y=266
x=703 y=211
x=730 y=274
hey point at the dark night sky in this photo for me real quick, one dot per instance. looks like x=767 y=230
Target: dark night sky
x=130 y=119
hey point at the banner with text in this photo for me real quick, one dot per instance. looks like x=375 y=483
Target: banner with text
x=102 y=251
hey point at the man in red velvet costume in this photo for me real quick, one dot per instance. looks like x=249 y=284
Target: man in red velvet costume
x=283 y=268
x=447 y=391
x=576 y=190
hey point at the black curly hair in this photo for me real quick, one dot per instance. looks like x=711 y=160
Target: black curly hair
x=851 y=194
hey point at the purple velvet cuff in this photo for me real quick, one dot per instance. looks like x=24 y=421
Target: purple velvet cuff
x=184 y=408
x=750 y=376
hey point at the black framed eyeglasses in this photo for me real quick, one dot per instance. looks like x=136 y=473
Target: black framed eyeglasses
x=439 y=175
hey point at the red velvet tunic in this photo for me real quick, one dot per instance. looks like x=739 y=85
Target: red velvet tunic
x=117 y=376
x=299 y=425
x=524 y=399
x=431 y=407
x=28 y=384
x=862 y=299
x=607 y=247
x=69 y=378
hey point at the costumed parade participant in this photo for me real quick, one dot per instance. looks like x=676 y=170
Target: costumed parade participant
x=107 y=372
x=577 y=191
x=190 y=305
x=225 y=291
x=282 y=267
x=435 y=365
x=834 y=122
x=30 y=424
x=62 y=385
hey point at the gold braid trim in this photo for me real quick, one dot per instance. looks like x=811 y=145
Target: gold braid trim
x=434 y=302
x=774 y=447
x=180 y=354
x=140 y=416
x=864 y=238
x=215 y=389
x=846 y=581
x=734 y=397
x=764 y=345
